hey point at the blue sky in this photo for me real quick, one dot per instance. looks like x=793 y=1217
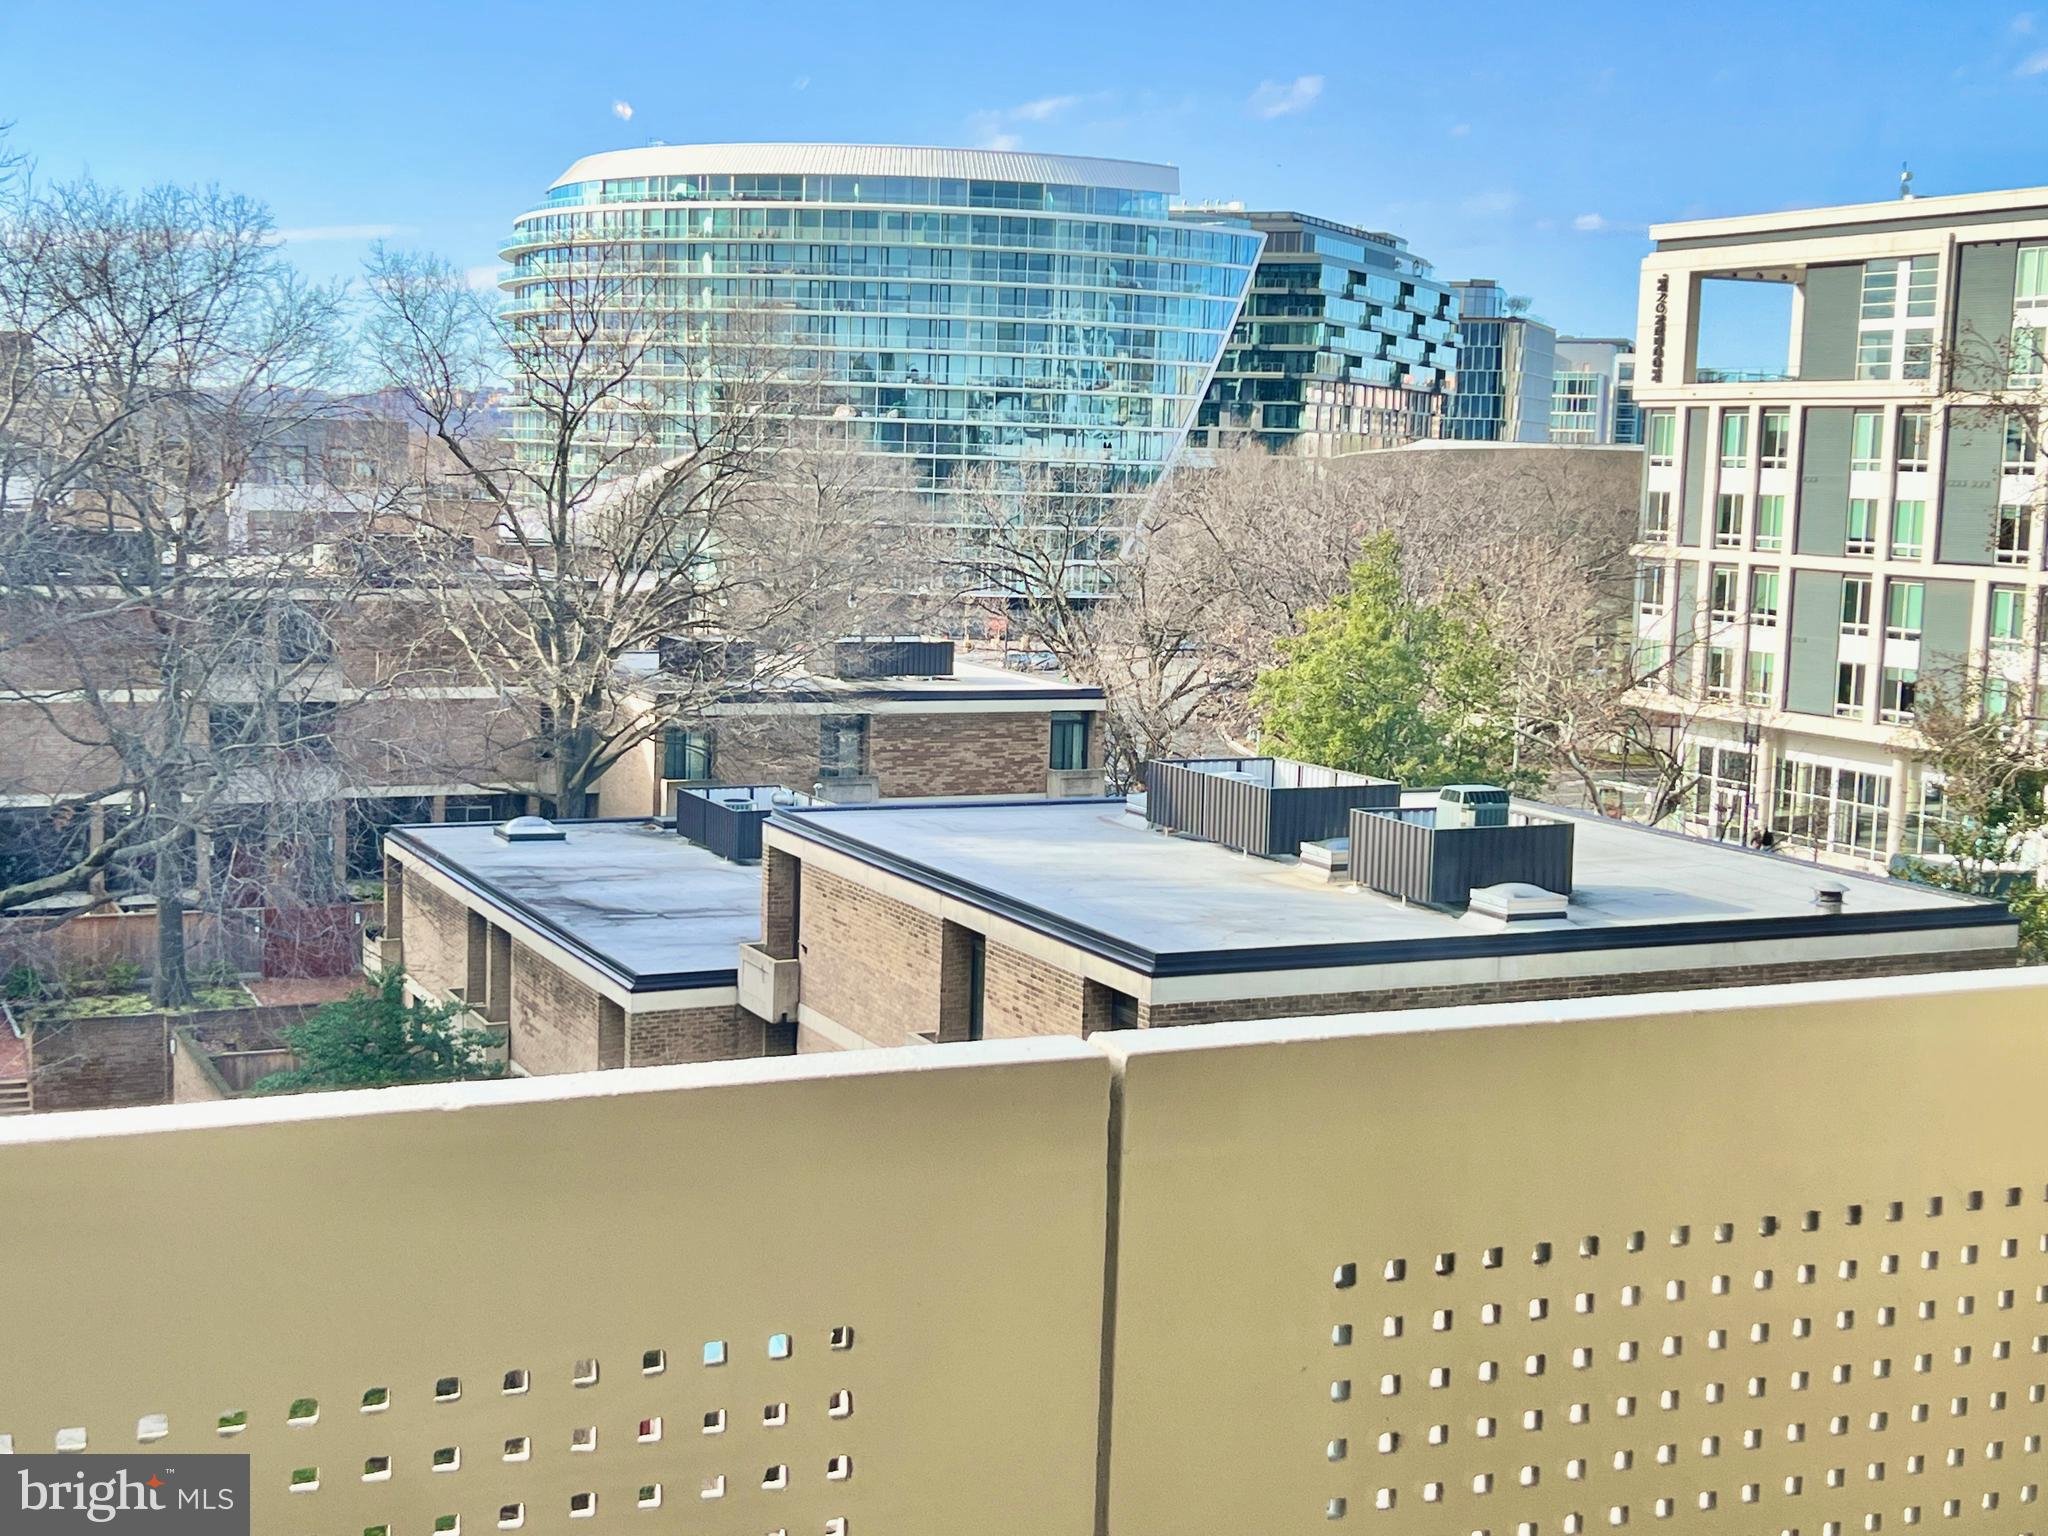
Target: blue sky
x=1528 y=143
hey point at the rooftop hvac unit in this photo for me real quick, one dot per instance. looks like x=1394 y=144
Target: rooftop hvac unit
x=1471 y=805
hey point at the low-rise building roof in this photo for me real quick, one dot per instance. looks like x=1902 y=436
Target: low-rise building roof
x=1094 y=875
x=629 y=898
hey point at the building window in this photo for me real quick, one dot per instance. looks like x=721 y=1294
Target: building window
x=2015 y=536
x=1069 y=741
x=2031 y=286
x=1735 y=439
x=1916 y=437
x=1774 y=440
x=1663 y=437
x=1839 y=809
x=475 y=808
x=2022 y=446
x=1874 y=354
x=1895 y=293
x=1927 y=816
x=1721 y=790
x=1761 y=687
x=1856 y=605
x=1862 y=533
x=1650 y=588
x=1895 y=703
x=1763 y=598
x=1720 y=672
x=686 y=753
x=1770 y=522
x=1867 y=446
x=1657 y=517
x=1902 y=610
x=842 y=746
x=1722 y=586
x=1909 y=530
x=2008 y=618
x=1728 y=522
x=1998 y=697
x=1849 y=677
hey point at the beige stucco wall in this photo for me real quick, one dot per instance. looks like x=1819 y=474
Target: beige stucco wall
x=1771 y=1259
x=1259 y=1159
x=949 y=1209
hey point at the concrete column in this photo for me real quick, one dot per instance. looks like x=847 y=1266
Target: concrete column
x=341 y=844
x=1895 y=827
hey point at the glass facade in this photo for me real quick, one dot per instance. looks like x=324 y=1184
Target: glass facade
x=1346 y=342
x=1592 y=400
x=1046 y=317
x=1506 y=369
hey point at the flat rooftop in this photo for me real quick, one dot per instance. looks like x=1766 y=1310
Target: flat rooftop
x=972 y=678
x=1889 y=216
x=630 y=897
x=1095 y=875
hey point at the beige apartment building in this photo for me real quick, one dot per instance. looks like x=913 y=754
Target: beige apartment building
x=1822 y=538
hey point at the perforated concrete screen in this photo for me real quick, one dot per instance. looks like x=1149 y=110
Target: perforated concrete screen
x=1777 y=1269
x=853 y=1297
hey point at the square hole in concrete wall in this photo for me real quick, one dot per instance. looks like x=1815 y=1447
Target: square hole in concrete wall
x=69 y=1440
x=582 y=1506
x=714 y=1422
x=585 y=1374
x=519 y=1448
x=376 y=1400
x=152 y=1427
x=516 y=1382
x=842 y=1337
x=650 y=1430
x=714 y=1352
x=511 y=1516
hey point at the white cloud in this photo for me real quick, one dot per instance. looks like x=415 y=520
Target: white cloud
x=992 y=127
x=1042 y=110
x=1461 y=130
x=800 y=83
x=2032 y=64
x=314 y=233
x=623 y=111
x=1590 y=223
x=2022 y=24
x=484 y=277
x=1277 y=99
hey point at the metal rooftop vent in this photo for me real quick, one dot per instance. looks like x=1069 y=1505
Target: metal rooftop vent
x=530 y=829
x=860 y=657
x=1830 y=895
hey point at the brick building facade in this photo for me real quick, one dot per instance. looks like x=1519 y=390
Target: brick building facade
x=908 y=923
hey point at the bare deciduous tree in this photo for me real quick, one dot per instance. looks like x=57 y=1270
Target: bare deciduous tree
x=666 y=485
x=155 y=671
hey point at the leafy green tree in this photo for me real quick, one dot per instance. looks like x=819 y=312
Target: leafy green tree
x=1992 y=767
x=1379 y=682
x=376 y=1037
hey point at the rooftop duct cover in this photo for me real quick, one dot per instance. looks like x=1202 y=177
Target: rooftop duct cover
x=1262 y=805
x=860 y=657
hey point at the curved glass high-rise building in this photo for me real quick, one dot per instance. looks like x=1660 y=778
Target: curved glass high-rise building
x=967 y=308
